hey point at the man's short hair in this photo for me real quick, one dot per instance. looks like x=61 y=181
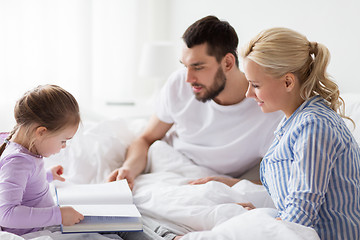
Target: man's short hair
x=220 y=37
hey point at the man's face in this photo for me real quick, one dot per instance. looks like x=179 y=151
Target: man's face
x=204 y=73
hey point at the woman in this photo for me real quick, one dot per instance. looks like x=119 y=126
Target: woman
x=312 y=169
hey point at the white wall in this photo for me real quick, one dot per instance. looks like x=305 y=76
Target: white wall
x=335 y=23
x=86 y=46
x=92 y=47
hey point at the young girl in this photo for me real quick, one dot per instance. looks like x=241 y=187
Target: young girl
x=46 y=118
x=312 y=169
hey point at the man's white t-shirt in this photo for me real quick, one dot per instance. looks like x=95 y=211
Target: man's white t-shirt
x=228 y=139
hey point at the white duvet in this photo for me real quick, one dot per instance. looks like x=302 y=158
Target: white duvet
x=207 y=211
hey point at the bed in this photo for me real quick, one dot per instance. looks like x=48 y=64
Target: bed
x=162 y=194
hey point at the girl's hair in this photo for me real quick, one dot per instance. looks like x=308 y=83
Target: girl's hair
x=49 y=106
x=282 y=50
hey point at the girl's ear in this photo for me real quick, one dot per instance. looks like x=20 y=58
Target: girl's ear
x=40 y=131
x=290 y=81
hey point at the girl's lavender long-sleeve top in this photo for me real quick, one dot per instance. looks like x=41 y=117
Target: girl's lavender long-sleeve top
x=26 y=203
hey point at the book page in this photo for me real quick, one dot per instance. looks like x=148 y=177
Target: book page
x=117 y=192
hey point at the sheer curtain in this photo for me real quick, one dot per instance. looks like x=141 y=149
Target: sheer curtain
x=86 y=46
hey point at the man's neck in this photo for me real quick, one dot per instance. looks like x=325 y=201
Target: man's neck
x=235 y=89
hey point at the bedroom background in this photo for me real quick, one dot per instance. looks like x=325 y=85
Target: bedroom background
x=93 y=48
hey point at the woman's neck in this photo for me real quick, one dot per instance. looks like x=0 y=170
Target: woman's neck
x=294 y=104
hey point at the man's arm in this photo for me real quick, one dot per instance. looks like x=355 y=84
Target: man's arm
x=136 y=156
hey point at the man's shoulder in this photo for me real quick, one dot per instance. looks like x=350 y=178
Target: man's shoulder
x=176 y=86
x=177 y=78
x=249 y=108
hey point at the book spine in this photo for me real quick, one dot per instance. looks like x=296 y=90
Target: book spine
x=57 y=197
x=57 y=202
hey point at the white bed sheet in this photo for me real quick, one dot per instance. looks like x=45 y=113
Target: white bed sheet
x=163 y=194
x=200 y=212
x=207 y=211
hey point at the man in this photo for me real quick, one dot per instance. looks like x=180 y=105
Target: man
x=213 y=123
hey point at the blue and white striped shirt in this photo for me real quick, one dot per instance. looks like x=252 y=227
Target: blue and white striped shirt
x=312 y=172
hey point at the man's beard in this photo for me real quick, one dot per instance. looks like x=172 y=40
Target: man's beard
x=215 y=89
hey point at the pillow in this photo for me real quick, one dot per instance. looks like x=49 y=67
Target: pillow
x=352 y=110
x=95 y=151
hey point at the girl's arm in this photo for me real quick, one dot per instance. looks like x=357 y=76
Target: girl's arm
x=13 y=214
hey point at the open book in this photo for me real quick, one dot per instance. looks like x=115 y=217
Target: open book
x=107 y=207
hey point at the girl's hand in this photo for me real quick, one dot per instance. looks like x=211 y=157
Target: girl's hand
x=70 y=216
x=226 y=180
x=247 y=206
x=56 y=172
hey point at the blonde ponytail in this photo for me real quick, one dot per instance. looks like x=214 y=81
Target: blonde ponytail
x=318 y=81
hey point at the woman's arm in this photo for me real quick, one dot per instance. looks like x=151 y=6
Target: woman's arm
x=310 y=172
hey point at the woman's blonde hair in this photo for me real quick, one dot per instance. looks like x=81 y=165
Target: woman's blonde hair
x=49 y=106
x=282 y=50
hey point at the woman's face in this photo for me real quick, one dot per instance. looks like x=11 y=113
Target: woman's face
x=268 y=92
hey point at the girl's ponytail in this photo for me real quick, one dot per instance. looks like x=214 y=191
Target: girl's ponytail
x=7 y=139
x=2 y=148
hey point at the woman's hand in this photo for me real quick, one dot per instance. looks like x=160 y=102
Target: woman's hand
x=226 y=180
x=247 y=206
x=56 y=172
x=70 y=216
